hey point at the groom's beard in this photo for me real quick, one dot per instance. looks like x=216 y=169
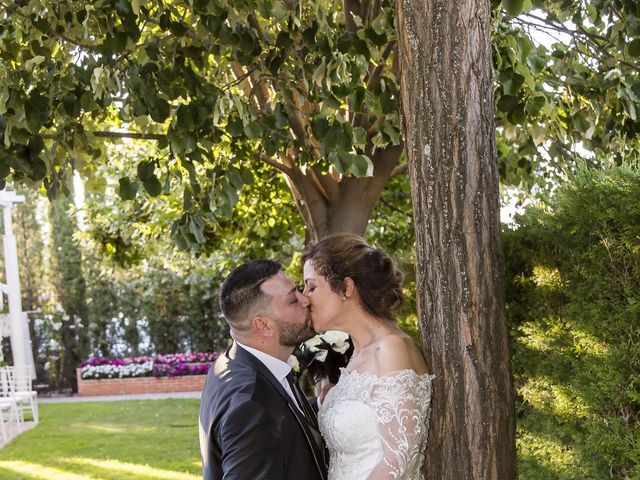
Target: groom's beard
x=293 y=334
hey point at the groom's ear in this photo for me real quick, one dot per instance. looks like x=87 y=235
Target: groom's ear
x=349 y=287
x=262 y=325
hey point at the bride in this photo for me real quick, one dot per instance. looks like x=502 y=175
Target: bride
x=375 y=420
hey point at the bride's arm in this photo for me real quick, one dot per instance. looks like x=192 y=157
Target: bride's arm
x=402 y=426
x=402 y=400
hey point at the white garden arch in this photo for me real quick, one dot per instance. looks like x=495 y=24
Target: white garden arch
x=15 y=323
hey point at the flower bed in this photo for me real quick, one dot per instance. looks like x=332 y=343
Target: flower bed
x=170 y=365
x=159 y=374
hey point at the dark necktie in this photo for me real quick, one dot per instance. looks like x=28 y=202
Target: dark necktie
x=302 y=401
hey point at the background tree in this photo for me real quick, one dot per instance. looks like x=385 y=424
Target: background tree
x=70 y=288
x=446 y=86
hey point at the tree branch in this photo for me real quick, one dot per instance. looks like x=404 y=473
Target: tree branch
x=326 y=184
x=399 y=170
x=378 y=69
x=298 y=125
x=253 y=21
x=277 y=165
x=372 y=12
x=590 y=38
x=349 y=7
x=102 y=134
x=390 y=206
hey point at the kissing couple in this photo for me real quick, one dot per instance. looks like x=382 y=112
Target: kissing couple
x=255 y=422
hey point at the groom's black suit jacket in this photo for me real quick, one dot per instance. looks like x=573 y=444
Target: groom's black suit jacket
x=250 y=428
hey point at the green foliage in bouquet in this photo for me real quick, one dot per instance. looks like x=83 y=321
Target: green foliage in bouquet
x=573 y=300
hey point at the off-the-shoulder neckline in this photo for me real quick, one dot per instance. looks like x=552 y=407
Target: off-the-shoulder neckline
x=388 y=375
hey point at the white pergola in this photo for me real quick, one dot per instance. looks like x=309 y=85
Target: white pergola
x=15 y=322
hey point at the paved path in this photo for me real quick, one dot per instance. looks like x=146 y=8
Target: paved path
x=115 y=398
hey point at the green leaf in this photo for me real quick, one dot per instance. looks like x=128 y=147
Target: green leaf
x=145 y=170
x=253 y=130
x=184 y=119
x=35 y=146
x=319 y=127
x=362 y=166
x=513 y=7
x=337 y=161
x=152 y=186
x=231 y=192
x=319 y=73
x=71 y=105
x=213 y=200
x=392 y=132
x=186 y=199
x=511 y=82
x=270 y=146
x=36 y=110
x=516 y=115
x=360 y=136
x=536 y=63
x=333 y=137
x=634 y=48
x=378 y=39
x=127 y=190
x=247 y=176
x=196 y=228
x=580 y=123
x=535 y=104
x=507 y=103
x=235 y=178
x=247 y=42
x=283 y=40
x=158 y=109
x=275 y=60
x=235 y=127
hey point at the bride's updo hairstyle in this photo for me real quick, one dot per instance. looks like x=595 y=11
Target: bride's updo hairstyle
x=374 y=273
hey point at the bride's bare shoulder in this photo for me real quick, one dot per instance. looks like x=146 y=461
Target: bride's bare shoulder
x=398 y=351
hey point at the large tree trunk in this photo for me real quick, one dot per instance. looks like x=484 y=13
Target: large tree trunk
x=334 y=203
x=446 y=86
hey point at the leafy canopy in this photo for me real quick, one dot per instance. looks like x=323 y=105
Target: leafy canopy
x=218 y=89
x=222 y=87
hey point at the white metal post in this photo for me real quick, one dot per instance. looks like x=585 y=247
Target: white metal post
x=20 y=341
x=13 y=291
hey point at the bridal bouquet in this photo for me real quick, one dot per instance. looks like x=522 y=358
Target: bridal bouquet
x=323 y=355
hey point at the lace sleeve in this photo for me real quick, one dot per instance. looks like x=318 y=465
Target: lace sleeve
x=402 y=404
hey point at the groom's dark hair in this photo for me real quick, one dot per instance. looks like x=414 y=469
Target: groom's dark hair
x=241 y=291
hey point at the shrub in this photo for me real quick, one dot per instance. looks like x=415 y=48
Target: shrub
x=573 y=290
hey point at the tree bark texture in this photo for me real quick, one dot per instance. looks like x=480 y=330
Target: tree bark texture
x=447 y=104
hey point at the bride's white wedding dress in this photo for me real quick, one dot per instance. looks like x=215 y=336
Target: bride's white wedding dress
x=375 y=426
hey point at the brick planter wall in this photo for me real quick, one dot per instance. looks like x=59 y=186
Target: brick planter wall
x=120 y=386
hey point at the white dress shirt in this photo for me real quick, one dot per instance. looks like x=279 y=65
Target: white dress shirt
x=277 y=367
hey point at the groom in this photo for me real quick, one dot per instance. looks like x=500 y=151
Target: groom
x=254 y=423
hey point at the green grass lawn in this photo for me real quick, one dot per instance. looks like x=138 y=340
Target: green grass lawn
x=152 y=439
